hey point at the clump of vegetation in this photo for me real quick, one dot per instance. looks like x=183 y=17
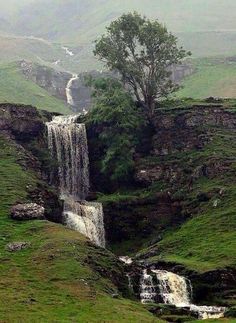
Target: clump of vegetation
x=120 y=122
x=142 y=51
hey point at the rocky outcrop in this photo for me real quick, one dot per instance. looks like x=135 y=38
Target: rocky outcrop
x=29 y=211
x=188 y=129
x=220 y=284
x=179 y=72
x=185 y=131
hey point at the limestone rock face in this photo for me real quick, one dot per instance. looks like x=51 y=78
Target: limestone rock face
x=30 y=211
x=52 y=80
x=17 y=246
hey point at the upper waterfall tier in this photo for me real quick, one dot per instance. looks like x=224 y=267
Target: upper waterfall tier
x=68 y=145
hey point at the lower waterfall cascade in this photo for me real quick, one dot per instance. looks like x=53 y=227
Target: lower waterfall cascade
x=67 y=142
x=174 y=290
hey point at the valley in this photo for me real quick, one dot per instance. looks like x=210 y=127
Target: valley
x=117 y=181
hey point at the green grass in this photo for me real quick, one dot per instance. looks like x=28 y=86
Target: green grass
x=52 y=281
x=206 y=242
x=14 y=181
x=210 y=79
x=14 y=88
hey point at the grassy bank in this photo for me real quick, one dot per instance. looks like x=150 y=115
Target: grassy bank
x=60 y=276
x=212 y=77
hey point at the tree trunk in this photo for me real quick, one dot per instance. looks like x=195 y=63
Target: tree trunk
x=150 y=109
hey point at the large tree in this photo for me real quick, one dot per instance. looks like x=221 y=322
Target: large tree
x=143 y=52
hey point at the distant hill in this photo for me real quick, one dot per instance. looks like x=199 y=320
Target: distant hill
x=79 y=22
x=82 y=20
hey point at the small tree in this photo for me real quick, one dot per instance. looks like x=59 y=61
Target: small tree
x=142 y=51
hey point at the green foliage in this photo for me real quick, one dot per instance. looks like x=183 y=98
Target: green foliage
x=142 y=51
x=119 y=122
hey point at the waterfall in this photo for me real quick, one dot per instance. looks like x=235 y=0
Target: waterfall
x=125 y=259
x=148 y=292
x=69 y=96
x=175 y=290
x=87 y=218
x=67 y=143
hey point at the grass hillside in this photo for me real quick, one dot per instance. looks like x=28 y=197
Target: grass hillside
x=212 y=77
x=60 y=276
x=15 y=88
x=207 y=240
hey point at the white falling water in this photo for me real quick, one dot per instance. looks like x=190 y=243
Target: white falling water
x=174 y=290
x=87 y=218
x=147 y=288
x=69 y=96
x=68 y=52
x=125 y=259
x=67 y=143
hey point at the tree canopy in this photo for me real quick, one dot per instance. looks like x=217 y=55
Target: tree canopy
x=143 y=52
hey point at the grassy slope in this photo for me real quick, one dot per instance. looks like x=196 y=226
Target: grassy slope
x=51 y=281
x=15 y=88
x=212 y=78
x=207 y=241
